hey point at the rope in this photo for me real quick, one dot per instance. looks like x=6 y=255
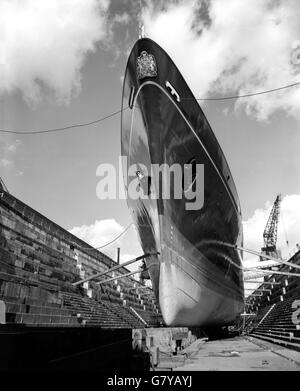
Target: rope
x=60 y=129
x=107 y=244
x=64 y=128
x=247 y=95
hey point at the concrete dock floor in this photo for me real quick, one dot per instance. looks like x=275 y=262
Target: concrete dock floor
x=237 y=354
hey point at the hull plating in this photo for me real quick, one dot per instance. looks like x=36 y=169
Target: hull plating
x=196 y=280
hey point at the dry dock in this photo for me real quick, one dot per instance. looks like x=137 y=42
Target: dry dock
x=236 y=354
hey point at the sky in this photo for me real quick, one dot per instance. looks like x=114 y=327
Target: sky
x=62 y=62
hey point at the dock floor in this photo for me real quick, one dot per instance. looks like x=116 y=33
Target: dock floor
x=237 y=354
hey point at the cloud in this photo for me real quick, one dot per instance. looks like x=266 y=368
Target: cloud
x=233 y=47
x=44 y=45
x=98 y=233
x=288 y=228
x=102 y=232
x=5 y=162
x=13 y=146
x=123 y=18
x=8 y=149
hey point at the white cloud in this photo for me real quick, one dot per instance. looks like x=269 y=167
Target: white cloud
x=8 y=149
x=13 y=146
x=44 y=45
x=5 y=162
x=102 y=232
x=122 y=18
x=228 y=47
x=99 y=233
x=288 y=228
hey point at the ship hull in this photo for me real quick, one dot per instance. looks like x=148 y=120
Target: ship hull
x=197 y=280
x=192 y=291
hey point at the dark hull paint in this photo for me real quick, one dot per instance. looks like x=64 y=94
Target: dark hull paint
x=194 y=277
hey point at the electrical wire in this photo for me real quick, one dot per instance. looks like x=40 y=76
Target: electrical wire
x=64 y=128
x=107 y=244
x=246 y=95
x=53 y=130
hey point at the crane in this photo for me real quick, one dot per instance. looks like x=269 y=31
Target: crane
x=270 y=232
